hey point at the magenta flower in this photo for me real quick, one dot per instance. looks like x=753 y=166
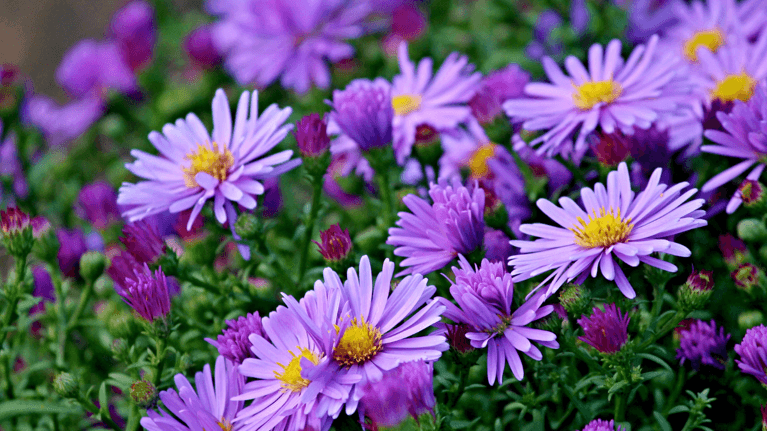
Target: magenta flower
x=97 y=203
x=753 y=353
x=603 y=425
x=702 y=344
x=613 y=94
x=234 y=343
x=142 y=241
x=199 y=46
x=227 y=166
x=266 y=40
x=484 y=295
x=612 y=222
x=133 y=29
x=210 y=407
x=433 y=235
x=335 y=243
x=407 y=389
x=375 y=326
x=605 y=330
x=147 y=293
x=312 y=135
x=439 y=100
x=744 y=137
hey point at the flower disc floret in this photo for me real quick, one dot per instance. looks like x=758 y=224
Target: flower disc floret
x=208 y=159
x=590 y=93
x=406 y=103
x=291 y=373
x=602 y=230
x=711 y=39
x=734 y=87
x=360 y=343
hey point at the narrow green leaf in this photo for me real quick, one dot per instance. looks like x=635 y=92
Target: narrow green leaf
x=9 y=409
x=664 y=425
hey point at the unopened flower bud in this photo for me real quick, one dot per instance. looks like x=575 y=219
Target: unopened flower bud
x=335 y=246
x=752 y=230
x=574 y=299
x=66 y=385
x=611 y=148
x=200 y=48
x=749 y=319
x=553 y=322
x=92 y=265
x=16 y=232
x=753 y=194
x=697 y=290
x=314 y=144
x=746 y=276
x=143 y=393
x=733 y=250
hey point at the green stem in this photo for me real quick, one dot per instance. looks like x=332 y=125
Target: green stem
x=8 y=386
x=677 y=390
x=61 y=314
x=106 y=418
x=668 y=326
x=281 y=273
x=313 y=211
x=620 y=407
x=133 y=418
x=193 y=279
x=160 y=358
x=85 y=296
x=21 y=267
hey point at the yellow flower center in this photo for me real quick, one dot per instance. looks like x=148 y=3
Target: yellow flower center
x=405 y=103
x=478 y=160
x=360 y=342
x=602 y=230
x=225 y=425
x=499 y=329
x=735 y=87
x=590 y=93
x=210 y=161
x=291 y=373
x=711 y=39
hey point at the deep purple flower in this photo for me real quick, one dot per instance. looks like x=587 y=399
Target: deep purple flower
x=133 y=28
x=123 y=267
x=364 y=113
x=701 y=343
x=407 y=21
x=210 y=407
x=312 y=135
x=266 y=40
x=43 y=288
x=147 y=294
x=73 y=246
x=97 y=203
x=335 y=243
x=234 y=344
x=61 y=124
x=11 y=165
x=613 y=222
x=605 y=330
x=272 y=197
x=200 y=48
x=433 y=235
x=744 y=137
x=142 y=241
x=496 y=88
x=614 y=94
x=753 y=353
x=733 y=249
x=543 y=44
x=90 y=68
x=439 y=100
x=407 y=389
x=456 y=336
x=603 y=425
x=484 y=295
x=497 y=247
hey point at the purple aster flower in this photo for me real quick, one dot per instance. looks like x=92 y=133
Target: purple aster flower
x=363 y=112
x=335 y=243
x=484 y=295
x=123 y=267
x=579 y=16
x=195 y=166
x=753 y=353
x=701 y=344
x=496 y=88
x=557 y=174
x=433 y=235
x=497 y=247
x=407 y=389
x=347 y=157
x=649 y=17
x=97 y=203
x=90 y=68
x=543 y=44
x=10 y=164
x=142 y=241
x=439 y=100
x=744 y=137
x=210 y=407
x=72 y=247
x=282 y=395
x=43 y=288
x=61 y=124
x=612 y=94
x=263 y=40
x=612 y=222
x=375 y=327
x=312 y=136
x=199 y=46
x=234 y=344
x=605 y=330
x=147 y=293
x=133 y=28
x=603 y=425
x=733 y=250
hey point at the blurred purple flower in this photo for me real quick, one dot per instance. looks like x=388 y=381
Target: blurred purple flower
x=72 y=247
x=10 y=164
x=701 y=344
x=97 y=203
x=43 y=288
x=496 y=88
x=407 y=389
x=133 y=28
x=543 y=44
x=90 y=68
x=200 y=48
x=497 y=247
x=61 y=124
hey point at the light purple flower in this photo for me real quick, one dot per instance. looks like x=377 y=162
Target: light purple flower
x=90 y=68
x=613 y=94
x=147 y=294
x=612 y=222
x=375 y=327
x=363 y=112
x=543 y=44
x=227 y=165
x=433 y=235
x=484 y=295
x=605 y=330
x=97 y=203
x=439 y=100
x=744 y=137
x=10 y=164
x=234 y=343
x=753 y=353
x=702 y=344
x=649 y=17
x=407 y=389
x=133 y=29
x=210 y=407
x=61 y=124
x=266 y=40
x=496 y=88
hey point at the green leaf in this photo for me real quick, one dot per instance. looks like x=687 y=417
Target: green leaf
x=655 y=359
x=664 y=425
x=103 y=400
x=9 y=409
x=679 y=409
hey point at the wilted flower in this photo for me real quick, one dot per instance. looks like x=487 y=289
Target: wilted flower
x=234 y=343
x=605 y=330
x=702 y=344
x=753 y=353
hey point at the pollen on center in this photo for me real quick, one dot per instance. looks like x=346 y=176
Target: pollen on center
x=588 y=94
x=602 y=230
x=291 y=373
x=712 y=39
x=210 y=160
x=735 y=87
x=360 y=342
x=406 y=103
x=478 y=160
